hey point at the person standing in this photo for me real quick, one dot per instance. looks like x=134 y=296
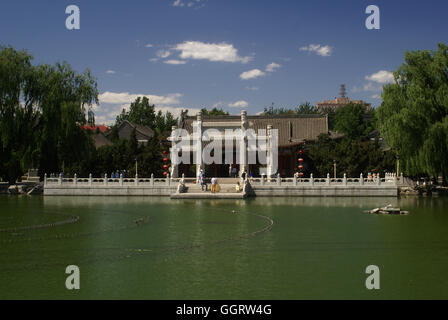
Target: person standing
x=202 y=180
x=234 y=172
x=213 y=186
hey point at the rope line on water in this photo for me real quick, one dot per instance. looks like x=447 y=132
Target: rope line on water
x=71 y=219
x=139 y=251
x=137 y=223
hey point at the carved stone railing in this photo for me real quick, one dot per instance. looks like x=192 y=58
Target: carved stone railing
x=311 y=181
x=106 y=181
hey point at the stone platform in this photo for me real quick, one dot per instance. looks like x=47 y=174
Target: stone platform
x=207 y=195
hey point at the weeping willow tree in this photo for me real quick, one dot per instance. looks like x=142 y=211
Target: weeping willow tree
x=413 y=116
x=41 y=109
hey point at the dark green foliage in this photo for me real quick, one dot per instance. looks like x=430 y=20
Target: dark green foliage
x=41 y=108
x=353 y=121
x=414 y=114
x=214 y=112
x=354 y=153
x=304 y=108
x=141 y=112
x=122 y=155
x=164 y=122
x=353 y=157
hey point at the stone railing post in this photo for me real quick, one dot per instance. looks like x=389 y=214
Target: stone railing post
x=168 y=179
x=75 y=179
x=311 y=180
x=344 y=181
x=328 y=179
x=361 y=179
x=105 y=179
x=183 y=178
x=60 y=179
x=90 y=179
x=136 y=179
x=45 y=179
x=279 y=180
x=262 y=180
x=295 y=179
x=121 y=179
x=152 y=179
x=378 y=179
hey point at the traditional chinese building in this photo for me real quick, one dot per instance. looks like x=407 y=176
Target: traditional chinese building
x=293 y=131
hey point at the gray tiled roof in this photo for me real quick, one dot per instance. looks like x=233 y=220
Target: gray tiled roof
x=292 y=129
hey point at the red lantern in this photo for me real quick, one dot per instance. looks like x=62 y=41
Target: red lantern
x=300 y=160
x=300 y=167
x=300 y=151
x=165 y=166
x=165 y=173
x=300 y=174
x=165 y=159
x=165 y=152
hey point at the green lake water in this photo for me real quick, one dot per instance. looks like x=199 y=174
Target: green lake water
x=157 y=248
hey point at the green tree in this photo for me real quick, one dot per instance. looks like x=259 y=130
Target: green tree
x=413 y=115
x=164 y=122
x=353 y=121
x=214 y=112
x=306 y=108
x=140 y=112
x=41 y=109
x=353 y=157
x=303 y=108
x=271 y=111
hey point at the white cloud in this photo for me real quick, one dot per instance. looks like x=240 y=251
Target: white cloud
x=218 y=104
x=239 y=104
x=371 y=87
x=126 y=97
x=163 y=54
x=381 y=76
x=110 y=72
x=324 y=51
x=148 y=45
x=175 y=62
x=252 y=74
x=192 y=3
x=376 y=96
x=112 y=103
x=178 y=3
x=210 y=51
x=272 y=67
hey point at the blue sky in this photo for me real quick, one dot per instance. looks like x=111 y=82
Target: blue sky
x=234 y=54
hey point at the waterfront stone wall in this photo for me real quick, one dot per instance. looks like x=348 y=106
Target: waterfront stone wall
x=109 y=186
x=259 y=187
x=324 y=187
